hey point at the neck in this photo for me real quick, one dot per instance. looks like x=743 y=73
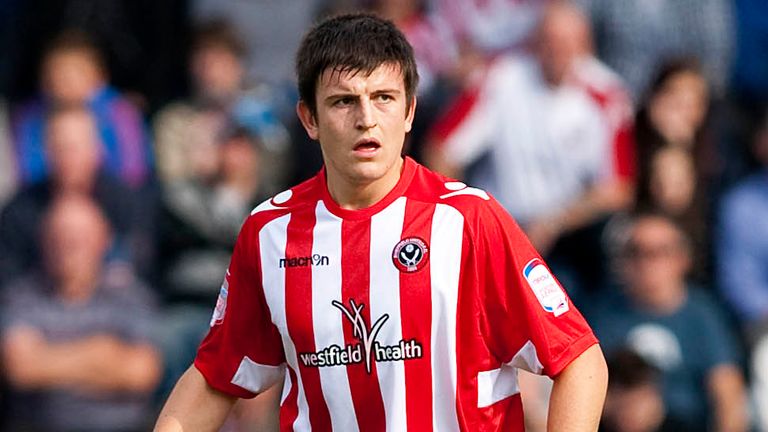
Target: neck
x=355 y=195
x=76 y=290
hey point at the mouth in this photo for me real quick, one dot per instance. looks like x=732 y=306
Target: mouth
x=367 y=147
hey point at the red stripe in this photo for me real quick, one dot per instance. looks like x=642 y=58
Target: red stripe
x=298 y=312
x=289 y=410
x=454 y=116
x=624 y=152
x=416 y=317
x=355 y=276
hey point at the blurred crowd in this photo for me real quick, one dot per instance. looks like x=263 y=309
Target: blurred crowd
x=628 y=138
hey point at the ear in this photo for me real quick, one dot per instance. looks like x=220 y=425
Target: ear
x=410 y=115
x=307 y=119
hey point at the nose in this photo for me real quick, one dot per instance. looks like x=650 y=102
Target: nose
x=365 y=115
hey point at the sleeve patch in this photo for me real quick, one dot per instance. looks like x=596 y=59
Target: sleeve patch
x=221 y=304
x=548 y=292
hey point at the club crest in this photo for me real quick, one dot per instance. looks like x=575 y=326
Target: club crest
x=410 y=255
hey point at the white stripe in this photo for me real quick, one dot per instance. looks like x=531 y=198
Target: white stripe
x=445 y=264
x=527 y=359
x=256 y=377
x=287 y=383
x=498 y=384
x=386 y=229
x=495 y=385
x=273 y=238
x=328 y=320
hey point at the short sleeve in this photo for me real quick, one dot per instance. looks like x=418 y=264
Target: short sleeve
x=531 y=321
x=242 y=355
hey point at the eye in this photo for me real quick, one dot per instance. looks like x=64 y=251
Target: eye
x=383 y=97
x=344 y=101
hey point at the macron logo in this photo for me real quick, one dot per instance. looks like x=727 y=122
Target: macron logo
x=307 y=261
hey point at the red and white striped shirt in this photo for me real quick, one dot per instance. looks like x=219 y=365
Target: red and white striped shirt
x=412 y=314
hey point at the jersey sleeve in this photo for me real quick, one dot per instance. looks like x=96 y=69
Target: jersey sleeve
x=531 y=322
x=242 y=355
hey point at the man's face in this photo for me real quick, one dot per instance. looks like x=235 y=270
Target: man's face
x=656 y=262
x=73 y=149
x=562 y=37
x=217 y=72
x=361 y=122
x=76 y=238
x=71 y=77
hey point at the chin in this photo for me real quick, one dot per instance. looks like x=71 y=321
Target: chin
x=368 y=172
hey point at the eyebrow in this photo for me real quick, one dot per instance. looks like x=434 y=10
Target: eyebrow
x=340 y=93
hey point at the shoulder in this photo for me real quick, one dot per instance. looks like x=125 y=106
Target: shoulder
x=24 y=291
x=597 y=76
x=749 y=191
x=31 y=199
x=509 y=72
x=704 y=304
x=285 y=202
x=475 y=205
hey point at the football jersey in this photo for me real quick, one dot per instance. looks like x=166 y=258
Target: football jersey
x=412 y=314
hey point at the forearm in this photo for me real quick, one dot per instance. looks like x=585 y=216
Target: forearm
x=597 y=202
x=134 y=368
x=726 y=387
x=578 y=394
x=98 y=363
x=194 y=406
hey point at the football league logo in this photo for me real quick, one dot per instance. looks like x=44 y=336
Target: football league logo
x=410 y=255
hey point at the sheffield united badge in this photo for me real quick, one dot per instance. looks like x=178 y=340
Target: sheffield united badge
x=410 y=255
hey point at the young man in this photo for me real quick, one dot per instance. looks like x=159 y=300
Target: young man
x=385 y=297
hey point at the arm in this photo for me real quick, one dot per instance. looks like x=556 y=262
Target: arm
x=578 y=393
x=194 y=406
x=97 y=363
x=726 y=389
x=600 y=200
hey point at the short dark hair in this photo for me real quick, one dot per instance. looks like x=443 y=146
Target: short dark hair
x=642 y=214
x=75 y=40
x=218 y=33
x=359 y=42
x=628 y=370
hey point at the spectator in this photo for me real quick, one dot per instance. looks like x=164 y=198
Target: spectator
x=551 y=160
x=742 y=250
x=76 y=343
x=634 y=400
x=220 y=95
x=73 y=151
x=200 y=219
x=675 y=159
x=674 y=326
x=675 y=110
x=636 y=37
x=271 y=29
x=204 y=215
x=73 y=73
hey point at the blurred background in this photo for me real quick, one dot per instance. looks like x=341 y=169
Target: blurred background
x=628 y=138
